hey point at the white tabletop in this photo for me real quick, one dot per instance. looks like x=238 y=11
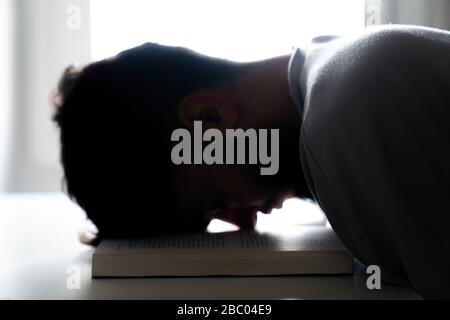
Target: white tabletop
x=39 y=247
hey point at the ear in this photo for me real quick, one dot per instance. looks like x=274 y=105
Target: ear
x=214 y=110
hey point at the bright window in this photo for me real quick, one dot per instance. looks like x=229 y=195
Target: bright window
x=233 y=29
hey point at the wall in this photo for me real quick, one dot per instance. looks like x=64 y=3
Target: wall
x=6 y=87
x=49 y=35
x=431 y=13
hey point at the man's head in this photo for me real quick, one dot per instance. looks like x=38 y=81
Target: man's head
x=116 y=118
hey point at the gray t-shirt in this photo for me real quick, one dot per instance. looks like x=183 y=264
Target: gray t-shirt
x=375 y=147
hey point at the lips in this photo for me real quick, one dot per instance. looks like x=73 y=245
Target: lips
x=244 y=218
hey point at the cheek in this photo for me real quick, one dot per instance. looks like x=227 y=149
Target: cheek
x=236 y=185
x=235 y=179
x=243 y=189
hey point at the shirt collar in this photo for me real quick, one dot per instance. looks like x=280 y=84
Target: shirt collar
x=294 y=72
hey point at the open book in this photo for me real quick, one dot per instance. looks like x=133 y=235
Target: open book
x=293 y=250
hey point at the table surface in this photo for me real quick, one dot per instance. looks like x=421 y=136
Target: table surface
x=39 y=250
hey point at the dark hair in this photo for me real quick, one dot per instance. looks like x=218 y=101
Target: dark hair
x=116 y=117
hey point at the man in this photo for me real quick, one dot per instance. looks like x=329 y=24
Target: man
x=372 y=111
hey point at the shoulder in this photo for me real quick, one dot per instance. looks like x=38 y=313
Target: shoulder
x=376 y=54
x=364 y=76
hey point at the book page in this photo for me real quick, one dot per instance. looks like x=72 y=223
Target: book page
x=292 y=238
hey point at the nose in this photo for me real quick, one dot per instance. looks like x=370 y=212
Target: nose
x=244 y=218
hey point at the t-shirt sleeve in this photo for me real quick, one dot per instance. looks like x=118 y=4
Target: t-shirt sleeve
x=378 y=152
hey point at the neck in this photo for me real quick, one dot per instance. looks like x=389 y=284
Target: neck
x=263 y=89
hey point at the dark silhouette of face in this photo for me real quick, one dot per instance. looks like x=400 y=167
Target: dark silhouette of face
x=235 y=193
